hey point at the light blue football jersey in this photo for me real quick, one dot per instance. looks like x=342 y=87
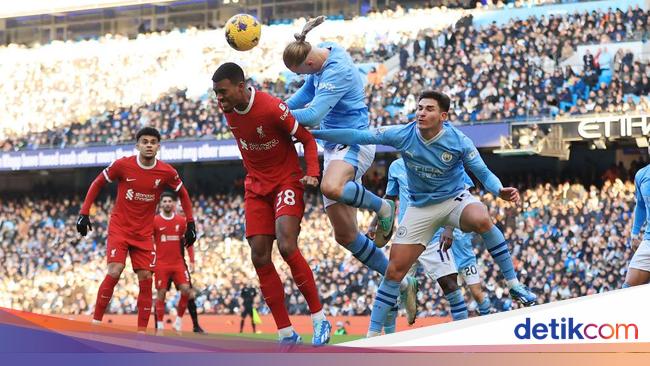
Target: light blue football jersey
x=642 y=195
x=434 y=168
x=335 y=95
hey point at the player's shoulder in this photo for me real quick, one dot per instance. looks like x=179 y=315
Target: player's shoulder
x=643 y=173
x=166 y=167
x=124 y=160
x=454 y=135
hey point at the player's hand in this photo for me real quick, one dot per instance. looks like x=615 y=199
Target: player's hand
x=190 y=234
x=509 y=194
x=634 y=243
x=447 y=238
x=83 y=224
x=309 y=181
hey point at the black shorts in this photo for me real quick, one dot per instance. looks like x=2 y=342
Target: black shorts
x=248 y=310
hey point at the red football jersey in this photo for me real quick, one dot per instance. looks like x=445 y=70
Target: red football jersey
x=263 y=132
x=138 y=192
x=167 y=234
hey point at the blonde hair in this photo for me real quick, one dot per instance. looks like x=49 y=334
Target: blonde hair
x=296 y=52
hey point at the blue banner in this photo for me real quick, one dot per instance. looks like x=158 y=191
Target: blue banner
x=483 y=135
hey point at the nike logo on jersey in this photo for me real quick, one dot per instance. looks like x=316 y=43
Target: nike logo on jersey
x=163 y=228
x=130 y=179
x=105 y=297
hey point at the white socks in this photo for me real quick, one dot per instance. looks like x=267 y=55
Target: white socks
x=285 y=332
x=318 y=316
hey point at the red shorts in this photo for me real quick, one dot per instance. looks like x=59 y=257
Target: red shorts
x=142 y=253
x=177 y=273
x=262 y=211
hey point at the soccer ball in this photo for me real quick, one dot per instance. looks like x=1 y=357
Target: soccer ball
x=243 y=32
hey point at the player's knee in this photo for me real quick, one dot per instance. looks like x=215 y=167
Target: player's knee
x=287 y=249
x=144 y=275
x=185 y=290
x=260 y=259
x=448 y=284
x=483 y=224
x=396 y=271
x=115 y=270
x=331 y=189
x=345 y=237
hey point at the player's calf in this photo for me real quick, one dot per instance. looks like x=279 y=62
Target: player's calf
x=454 y=296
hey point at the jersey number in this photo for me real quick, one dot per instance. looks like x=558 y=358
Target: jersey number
x=470 y=270
x=443 y=253
x=153 y=263
x=289 y=198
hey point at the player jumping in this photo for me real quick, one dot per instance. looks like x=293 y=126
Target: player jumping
x=140 y=181
x=274 y=188
x=639 y=269
x=434 y=153
x=170 y=254
x=336 y=99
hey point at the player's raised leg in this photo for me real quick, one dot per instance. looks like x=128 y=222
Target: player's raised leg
x=287 y=229
x=475 y=218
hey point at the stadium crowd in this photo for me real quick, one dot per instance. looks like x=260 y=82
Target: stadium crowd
x=492 y=73
x=567 y=240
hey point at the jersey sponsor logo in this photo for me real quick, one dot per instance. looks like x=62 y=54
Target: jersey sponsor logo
x=260 y=132
x=472 y=154
x=446 y=157
x=166 y=238
x=426 y=172
x=285 y=110
x=145 y=197
x=327 y=86
x=258 y=147
x=156 y=183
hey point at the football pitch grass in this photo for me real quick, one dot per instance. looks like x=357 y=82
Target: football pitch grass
x=306 y=338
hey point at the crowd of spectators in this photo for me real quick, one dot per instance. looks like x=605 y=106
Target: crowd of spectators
x=95 y=93
x=567 y=240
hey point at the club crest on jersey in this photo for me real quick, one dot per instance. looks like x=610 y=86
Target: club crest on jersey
x=156 y=183
x=113 y=251
x=446 y=157
x=260 y=132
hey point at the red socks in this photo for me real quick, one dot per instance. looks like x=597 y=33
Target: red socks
x=304 y=279
x=145 y=301
x=160 y=309
x=273 y=292
x=182 y=304
x=104 y=295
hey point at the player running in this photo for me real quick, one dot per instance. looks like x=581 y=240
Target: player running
x=140 y=181
x=434 y=154
x=639 y=269
x=170 y=255
x=274 y=188
x=336 y=99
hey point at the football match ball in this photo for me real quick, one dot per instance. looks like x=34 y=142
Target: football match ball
x=243 y=32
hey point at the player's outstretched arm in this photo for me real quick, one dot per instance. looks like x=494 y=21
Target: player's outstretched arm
x=186 y=203
x=311 y=151
x=350 y=136
x=83 y=222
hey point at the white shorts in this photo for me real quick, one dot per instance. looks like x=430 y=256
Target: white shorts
x=469 y=275
x=359 y=156
x=641 y=258
x=420 y=223
x=435 y=262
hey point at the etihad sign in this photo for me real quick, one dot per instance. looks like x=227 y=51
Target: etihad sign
x=614 y=127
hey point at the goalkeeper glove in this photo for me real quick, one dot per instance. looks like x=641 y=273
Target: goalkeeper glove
x=190 y=234
x=83 y=224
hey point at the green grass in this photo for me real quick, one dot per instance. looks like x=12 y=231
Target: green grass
x=306 y=338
